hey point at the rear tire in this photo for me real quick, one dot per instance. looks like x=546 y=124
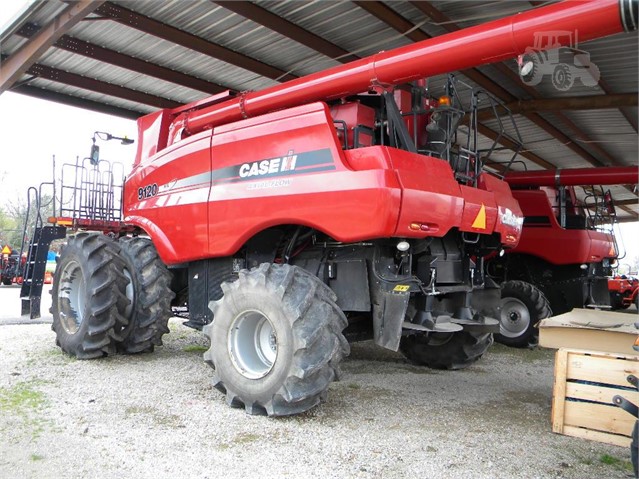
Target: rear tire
x=445 y=350
x=7 y=281
x=562 y=78
x=276 y=340
x=150 y=295
x=88 y=295
x=522 y=307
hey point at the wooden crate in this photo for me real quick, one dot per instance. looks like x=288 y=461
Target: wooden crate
x=585 y=383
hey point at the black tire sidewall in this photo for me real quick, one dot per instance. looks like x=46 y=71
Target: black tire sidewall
x=70 y=342
x=133 y=276
x=460 y=350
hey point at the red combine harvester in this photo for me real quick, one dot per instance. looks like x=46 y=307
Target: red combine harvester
x=567 y=249
x=285 y=219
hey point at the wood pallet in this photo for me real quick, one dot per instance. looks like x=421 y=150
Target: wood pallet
x=585 y=383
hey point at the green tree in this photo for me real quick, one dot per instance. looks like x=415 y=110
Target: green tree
x=9 y=234
x=14 y=215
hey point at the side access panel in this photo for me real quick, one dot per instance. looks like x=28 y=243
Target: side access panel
x=288 y=167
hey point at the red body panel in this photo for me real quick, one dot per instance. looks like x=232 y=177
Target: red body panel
x=176 y=217
x=217 y=189
x=553 y=243
x=354 y=114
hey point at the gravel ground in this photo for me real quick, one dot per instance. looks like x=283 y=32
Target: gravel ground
x=157 y=416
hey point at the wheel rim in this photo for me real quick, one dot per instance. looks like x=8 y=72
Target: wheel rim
x=130 y=294
x=252 y=344
x=71 y=297
x=515 y=318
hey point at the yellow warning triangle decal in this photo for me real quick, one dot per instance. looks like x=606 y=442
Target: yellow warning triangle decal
x=480 y=219
x=6 y=250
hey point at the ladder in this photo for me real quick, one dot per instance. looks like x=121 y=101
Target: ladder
x=35 y=267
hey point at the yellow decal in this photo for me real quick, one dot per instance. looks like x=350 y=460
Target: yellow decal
x=6 y=250
x=480 y=219
x=401 y=288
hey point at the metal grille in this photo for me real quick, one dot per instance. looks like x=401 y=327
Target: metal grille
x=92 y=192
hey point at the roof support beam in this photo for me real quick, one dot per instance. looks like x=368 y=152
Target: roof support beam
x=593 y=102
x=187 y=40
x=77 y=102
x=263 y=17
x=89 y=50
x=12 y=70
x=98 y=86
x=632 y=119
x=626 y=202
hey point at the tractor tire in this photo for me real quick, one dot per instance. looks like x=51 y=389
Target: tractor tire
x=149 y=293
x=616 y=302
x=536 y=74
x=7 y=281
x=522 y=307
x=562 y=77
x=445 y=350
x=276 y=340
x=88 y=295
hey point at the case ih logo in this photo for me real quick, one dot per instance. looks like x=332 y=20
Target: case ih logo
x=291 y=164
x=266 y=167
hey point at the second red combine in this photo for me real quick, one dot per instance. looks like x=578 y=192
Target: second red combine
x=567 y=250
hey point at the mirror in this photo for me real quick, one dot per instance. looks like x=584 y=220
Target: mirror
x=95 y=154
x=609 y=204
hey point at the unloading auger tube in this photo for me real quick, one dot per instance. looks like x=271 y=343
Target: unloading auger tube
x=490 y=42
x=612 y=175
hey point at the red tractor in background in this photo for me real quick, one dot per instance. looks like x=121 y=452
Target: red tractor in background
x=335 y=205
x=567 y=249
x=624 y=291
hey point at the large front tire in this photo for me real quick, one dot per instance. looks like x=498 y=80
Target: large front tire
x=88 y=296
x=522 y=307
x=276 y=340
x=149 y=293
x=445 y=350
